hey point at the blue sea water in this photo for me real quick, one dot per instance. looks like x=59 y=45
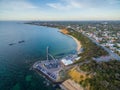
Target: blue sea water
x=15 y=60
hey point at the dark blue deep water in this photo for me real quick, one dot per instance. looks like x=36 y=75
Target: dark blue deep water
x=15 y=60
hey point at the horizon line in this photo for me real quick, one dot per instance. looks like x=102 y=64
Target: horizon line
x=61 y=20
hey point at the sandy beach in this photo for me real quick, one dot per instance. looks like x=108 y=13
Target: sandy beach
x=78 y=43
x=64 y=31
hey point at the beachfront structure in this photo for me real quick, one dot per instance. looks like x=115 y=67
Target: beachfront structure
x=69 y=60
x=50 y=68
x=66 y=61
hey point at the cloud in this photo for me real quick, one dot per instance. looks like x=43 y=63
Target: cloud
x=77 y=4
x=16 y=4
x=66 y=4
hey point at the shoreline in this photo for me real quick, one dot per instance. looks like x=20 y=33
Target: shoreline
x=77 y=42
x=64 y=31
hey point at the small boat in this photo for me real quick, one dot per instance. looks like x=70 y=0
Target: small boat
x=11 y=44
x=22 y=41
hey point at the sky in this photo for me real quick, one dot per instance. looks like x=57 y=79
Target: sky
x=59 y=9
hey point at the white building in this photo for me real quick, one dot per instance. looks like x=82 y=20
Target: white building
x=77 y=58
x=66 y=61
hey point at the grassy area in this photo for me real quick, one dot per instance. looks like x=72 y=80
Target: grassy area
x=76 y=75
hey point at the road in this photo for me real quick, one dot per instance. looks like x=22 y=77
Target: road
x=112 y=54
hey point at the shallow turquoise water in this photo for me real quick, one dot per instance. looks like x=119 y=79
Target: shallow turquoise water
x=16 y=60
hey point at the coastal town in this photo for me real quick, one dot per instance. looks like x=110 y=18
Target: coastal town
x=70 y=69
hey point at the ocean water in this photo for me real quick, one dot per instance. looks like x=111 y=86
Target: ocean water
x=16 y=60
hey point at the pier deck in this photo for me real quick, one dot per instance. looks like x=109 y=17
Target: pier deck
x=49 y=68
